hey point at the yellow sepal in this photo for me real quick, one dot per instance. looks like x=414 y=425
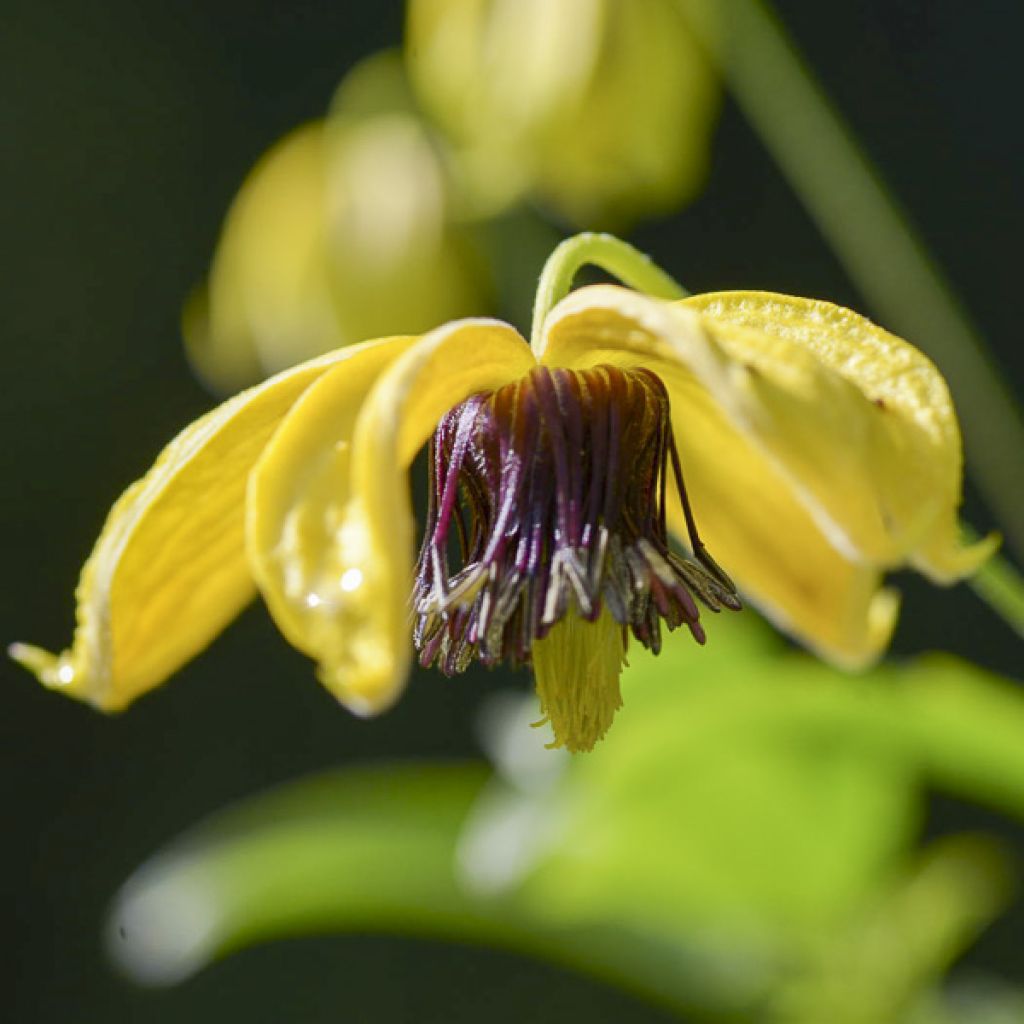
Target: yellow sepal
x=168 y=571
x=331 y=531
x=298 y=491
x=860 y=420
x=793 y=470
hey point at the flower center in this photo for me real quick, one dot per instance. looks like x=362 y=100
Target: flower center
x=548 y=502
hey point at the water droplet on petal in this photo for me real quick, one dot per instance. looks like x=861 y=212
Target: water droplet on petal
x=351 y=579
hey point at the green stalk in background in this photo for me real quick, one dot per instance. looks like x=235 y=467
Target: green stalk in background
x=1000 y=586
x=873 y=240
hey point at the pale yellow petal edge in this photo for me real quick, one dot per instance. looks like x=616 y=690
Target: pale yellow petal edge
x=367 y=669
x=153 y=593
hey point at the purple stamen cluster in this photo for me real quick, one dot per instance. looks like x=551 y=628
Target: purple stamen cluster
x=554 y=487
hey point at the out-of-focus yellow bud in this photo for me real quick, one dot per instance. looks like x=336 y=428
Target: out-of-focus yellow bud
x=340 y=232
x=603 y=108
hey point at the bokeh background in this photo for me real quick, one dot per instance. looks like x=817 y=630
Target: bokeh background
x=128 y=129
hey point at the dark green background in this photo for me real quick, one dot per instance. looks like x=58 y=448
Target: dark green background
x=127 y=127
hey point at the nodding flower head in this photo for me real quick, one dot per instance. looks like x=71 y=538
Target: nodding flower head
x=555 y=487
x=819 y=451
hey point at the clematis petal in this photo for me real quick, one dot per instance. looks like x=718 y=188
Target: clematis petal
x=168 y=571
x=862 y=420
x=298 y=491
x=754 y=478
x=331 y=530
x=755 y=525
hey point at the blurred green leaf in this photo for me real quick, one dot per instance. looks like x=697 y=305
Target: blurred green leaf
x=745 y=836
x=356 y=849
x=896 y=947
x=736 y=787
x=965 y=728
x=373 y=849
x=785 y=788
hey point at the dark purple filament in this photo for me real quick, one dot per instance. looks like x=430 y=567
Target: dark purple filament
x=555 y=488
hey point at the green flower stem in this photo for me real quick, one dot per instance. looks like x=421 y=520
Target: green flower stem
x=1001 y=587
x=609 y=253
x=872 y=238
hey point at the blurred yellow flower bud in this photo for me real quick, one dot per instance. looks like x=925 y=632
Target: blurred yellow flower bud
x=603 y=108
x=340 y=232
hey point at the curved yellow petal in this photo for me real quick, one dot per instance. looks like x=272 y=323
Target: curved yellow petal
x=860 y=420
x=757 y=528
x=331 y=529
x=299 y=489
x=168 y=571
x=753 y=519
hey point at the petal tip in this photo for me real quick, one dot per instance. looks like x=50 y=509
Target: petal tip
x=54 y=671
x=882 y=613
x=864 y=640
x=949 y=563
x=367 y=689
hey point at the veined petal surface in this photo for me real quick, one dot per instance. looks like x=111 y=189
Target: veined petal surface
x=331 y=530
x=168 y=571
x=753 y=515
x=860 y=420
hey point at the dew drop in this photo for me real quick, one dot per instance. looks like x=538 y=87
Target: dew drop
x=351 y=579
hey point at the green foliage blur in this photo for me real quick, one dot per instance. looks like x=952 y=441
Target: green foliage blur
x=760 y=838
x=744 y=844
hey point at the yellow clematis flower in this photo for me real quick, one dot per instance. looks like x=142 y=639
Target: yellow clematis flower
x=602 y=109
x=818 y=450
x=341 y=231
